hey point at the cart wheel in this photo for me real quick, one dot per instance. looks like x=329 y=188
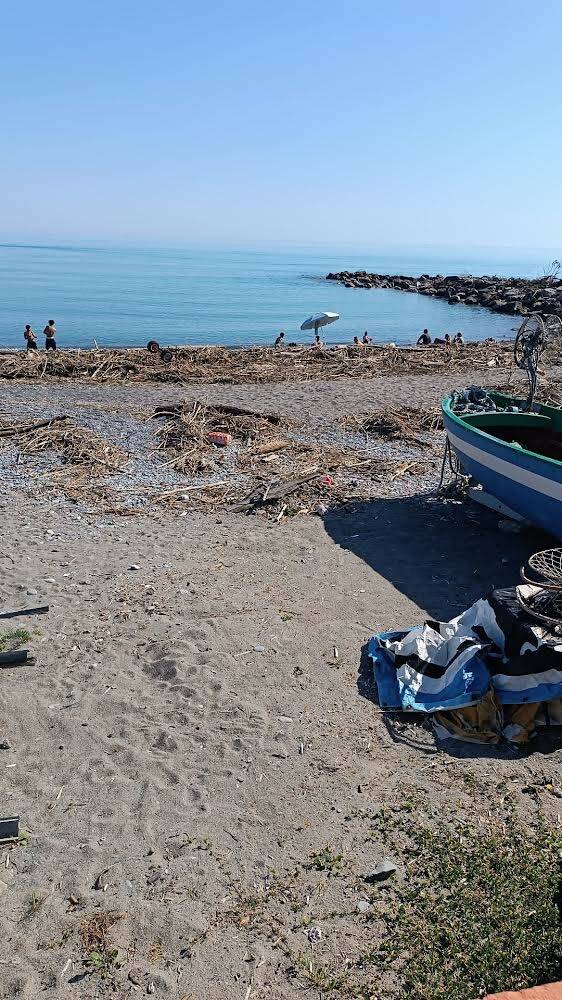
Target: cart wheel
x=153 y=346
x=166 y=355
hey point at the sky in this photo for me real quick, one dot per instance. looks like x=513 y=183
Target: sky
x=400 y=123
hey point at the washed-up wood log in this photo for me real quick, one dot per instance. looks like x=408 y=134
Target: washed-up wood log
x=271 y=493
x=42 y=610
x=15 y=657
x=174 y=409
x=178 y=491
x=269 y=447
x=28 y=428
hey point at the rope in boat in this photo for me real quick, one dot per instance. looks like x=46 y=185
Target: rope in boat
x=452 y=460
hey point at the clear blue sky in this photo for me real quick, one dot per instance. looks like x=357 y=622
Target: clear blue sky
x=401 y=122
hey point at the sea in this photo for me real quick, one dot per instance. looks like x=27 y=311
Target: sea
x=124 y=296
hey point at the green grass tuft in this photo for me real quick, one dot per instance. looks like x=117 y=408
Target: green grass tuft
x=13 y=639
x=478 y=914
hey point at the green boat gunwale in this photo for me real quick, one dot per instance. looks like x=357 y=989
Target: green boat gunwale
x=509 y=400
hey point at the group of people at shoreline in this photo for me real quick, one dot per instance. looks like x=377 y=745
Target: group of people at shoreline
x=424 y=340
x=318 y=342
x=49 y=333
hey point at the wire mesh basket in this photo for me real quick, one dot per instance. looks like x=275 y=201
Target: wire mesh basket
x=544 y=569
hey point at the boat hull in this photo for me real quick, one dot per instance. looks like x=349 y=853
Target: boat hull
x=528 y=483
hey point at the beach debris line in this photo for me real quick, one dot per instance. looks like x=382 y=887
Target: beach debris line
x=256 y=364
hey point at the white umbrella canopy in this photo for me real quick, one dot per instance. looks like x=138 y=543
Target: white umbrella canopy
x=318 y=320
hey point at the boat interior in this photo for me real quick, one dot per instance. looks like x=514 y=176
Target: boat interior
x=539 y=432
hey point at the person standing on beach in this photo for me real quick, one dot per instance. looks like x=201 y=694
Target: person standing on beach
x=366 y=339
x=30 y=338
x=50 y=333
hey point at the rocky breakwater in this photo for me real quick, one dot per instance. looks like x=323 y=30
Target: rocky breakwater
x=514 y=296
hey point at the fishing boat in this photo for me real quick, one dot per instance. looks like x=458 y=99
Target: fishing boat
x=513 y=451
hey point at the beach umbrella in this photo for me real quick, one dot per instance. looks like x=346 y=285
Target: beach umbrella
x=318 y=320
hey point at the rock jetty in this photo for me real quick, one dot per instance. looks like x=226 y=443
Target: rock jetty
x=514 y=296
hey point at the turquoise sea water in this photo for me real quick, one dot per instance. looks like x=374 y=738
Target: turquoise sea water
x=124 y=296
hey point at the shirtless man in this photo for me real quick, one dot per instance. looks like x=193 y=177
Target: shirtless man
x=30 y=338
x=50 y=333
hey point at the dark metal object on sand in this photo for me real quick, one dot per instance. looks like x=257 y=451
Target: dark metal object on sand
x=15 y=657
x=42 y=610
x=9 y=827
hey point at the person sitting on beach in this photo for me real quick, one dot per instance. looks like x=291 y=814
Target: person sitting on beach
x=366 y=339
x=317 y=341
x=50 y=333
x=459 y=339
x=424 y=339
x=358 y=343
x=29 y=337
x=443 y=343
x=280 y=340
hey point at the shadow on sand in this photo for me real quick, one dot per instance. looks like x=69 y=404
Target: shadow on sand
x=439 y=552
x=443 y=555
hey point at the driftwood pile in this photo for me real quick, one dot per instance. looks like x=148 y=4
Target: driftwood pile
x=268 y=464
x=401 y=424
x=84 y=455
x=188 y=430
x=255 y=365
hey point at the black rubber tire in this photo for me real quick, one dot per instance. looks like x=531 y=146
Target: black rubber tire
x=153 y=346
x=166 y=355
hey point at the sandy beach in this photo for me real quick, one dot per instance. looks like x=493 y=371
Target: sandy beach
x=196 y=755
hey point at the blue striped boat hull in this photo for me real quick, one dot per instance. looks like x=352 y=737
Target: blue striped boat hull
x=528 y=483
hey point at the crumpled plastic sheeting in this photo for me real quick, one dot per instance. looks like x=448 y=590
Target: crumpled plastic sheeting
x=482 y=675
